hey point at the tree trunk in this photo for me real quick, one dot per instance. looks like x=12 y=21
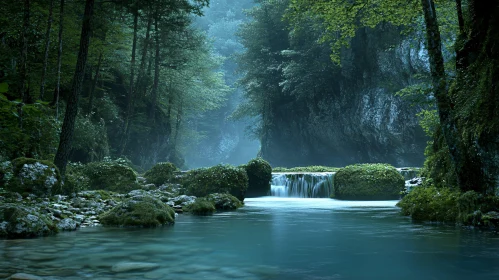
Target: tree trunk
x=154 y=93
x=129 y=99
x=460 y=17
x=47 y=46
x=66 y=138
x=94 y=84
x=141 y=87
x=59 y=61
x=24 y=53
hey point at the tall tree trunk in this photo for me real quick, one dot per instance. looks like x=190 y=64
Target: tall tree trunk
x=130 y=93
x=460 y=17
x=65 y=143
x=24 y=53
x=47 y=46
x=154 y=93
x=59 y=61
x=141 y=87
x=94 y=84
x=458 y=154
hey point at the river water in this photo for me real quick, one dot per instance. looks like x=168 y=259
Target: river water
x=270 y=238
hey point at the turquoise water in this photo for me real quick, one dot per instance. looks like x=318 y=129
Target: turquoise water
x=270 y=238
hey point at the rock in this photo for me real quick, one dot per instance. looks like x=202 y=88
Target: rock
x=183 y=200
x=133 y=266
x=25 y=222
x=141 y=179
x=67 y=224
x=149 y=187
x=224 y=201
x=141 y=211
x=24 y=276
x=32 y=176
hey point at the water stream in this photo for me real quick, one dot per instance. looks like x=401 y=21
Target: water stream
x=270 y=238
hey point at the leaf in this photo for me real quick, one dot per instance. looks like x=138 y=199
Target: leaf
x=4 y=87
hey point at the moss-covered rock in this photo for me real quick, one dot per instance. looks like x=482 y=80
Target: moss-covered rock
x=224 y=201
x=75 y=179
x=33 y=176
x=429 y=204
x=201 y=207
x=6 y=172
x=259 y=174
x=111 y=175
x=368 y=182
x=139 y=211
x=217 y=179
x=161 y=173
x=18 y=221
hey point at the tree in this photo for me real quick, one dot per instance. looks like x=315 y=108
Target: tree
x=64 y=149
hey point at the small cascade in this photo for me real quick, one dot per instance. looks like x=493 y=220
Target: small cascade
x=306 y=185
x=409 y=172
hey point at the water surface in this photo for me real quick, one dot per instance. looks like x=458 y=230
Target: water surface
x=270 y=238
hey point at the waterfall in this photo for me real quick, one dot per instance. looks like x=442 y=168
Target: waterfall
x=306 y=185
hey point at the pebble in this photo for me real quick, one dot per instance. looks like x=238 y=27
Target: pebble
x=133 y=266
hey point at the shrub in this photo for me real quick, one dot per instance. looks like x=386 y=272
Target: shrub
x=75 y=179
x=111 y=175
x=429 y=204
x=259 y=174
x=368 y=182
x=161 y=173
x=139 y=211
x=33 y=176
x=217 y=179
x=224 y=201
x=201 y=207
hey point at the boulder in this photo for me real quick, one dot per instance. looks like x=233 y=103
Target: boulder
x=224 y=201
x=161 y=173
x=201 y=207
x=33 y=176
x=259 y=174
x=368 y=182
x=139 y=211
x=18 y=221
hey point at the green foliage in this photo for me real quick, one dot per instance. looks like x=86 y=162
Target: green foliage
x=111 y=175
x=139 y=211
x=76 y=179
x=313 y=168
x=90 y=140
x=429 y=204
x=201 y=207
x=32 y=176
x=224 y=201
x=27 y=130
x=259 y=176
x=161 y=173
x=368 y=182
x=217 y=179
x=438 y=167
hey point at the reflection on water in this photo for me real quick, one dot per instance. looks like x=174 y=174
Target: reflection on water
x=270 y=238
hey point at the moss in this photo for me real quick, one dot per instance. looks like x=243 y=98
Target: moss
x=216 y=179
x=33 y=176
x=161 y=173
x=259 y=174
x=429 y=204
x=23 y=222
x=139 y=211
x=201 y=207
x=111 y=176
x=224 y=201
x=316 y=168
x=368 y=182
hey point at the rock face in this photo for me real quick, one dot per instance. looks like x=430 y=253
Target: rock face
x=368 y=182
x=352 y=114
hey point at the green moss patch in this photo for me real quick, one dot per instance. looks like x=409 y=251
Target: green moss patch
x=17 y=221
x=217 y=179
x=201 y=207
x=368 y=182
x=224 y=201
x=139 y=211
x=161 y=173
x=259 y=176
x=111 y=176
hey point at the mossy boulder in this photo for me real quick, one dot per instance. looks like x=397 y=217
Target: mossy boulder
x=139 y=211
x=429 y=204
x=217 y=179
x=201 y=207
x=368 y=182
x=111 y=175
x=6 y=172
x=259 y=174
x=18 y=221
x=224 y=201
x=34 y=176
x=161 y=173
